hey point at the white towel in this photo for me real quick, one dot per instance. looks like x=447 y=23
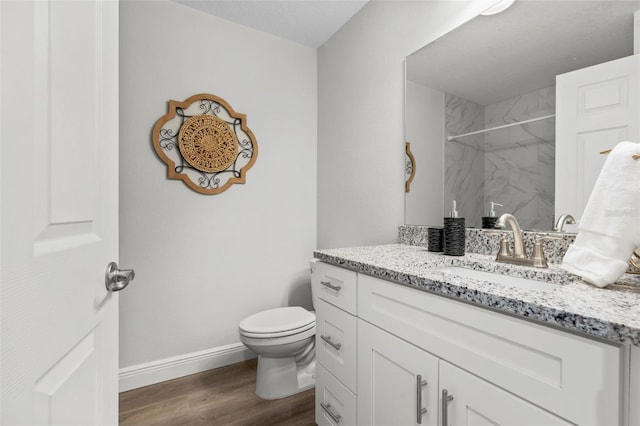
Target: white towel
x=609 y=230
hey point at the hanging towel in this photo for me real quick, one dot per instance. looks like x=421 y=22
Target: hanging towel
x=609 y=230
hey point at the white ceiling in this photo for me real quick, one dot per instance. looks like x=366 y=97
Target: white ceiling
x=493 y=58
x=308 y=22
x=486 y=60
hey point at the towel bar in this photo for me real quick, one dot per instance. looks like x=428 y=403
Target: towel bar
x=634 y=156
x=634 y=263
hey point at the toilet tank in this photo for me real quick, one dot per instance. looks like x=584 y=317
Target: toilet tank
x=314 y=296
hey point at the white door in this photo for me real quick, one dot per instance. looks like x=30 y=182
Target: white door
x=473 y=401
x=397 y=382
x=59 y=211
x=596 y=107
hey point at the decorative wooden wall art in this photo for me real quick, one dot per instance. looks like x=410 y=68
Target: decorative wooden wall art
x=409 y=167
x=205 y=143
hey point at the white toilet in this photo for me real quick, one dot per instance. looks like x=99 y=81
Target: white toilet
x=284 y=339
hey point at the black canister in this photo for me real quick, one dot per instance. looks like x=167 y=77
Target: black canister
x=434 y=238
x=489 y=222
x=453 y=238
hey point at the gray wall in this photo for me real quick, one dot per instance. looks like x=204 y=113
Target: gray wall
x=361 y=116
x=203 y=262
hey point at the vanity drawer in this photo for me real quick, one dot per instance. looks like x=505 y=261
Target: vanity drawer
x=574 y=377
x=337 y=286
x=336 y=346
x=335 y=404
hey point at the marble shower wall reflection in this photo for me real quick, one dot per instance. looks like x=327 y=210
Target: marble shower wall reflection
x=464 y=160
x=513 y=166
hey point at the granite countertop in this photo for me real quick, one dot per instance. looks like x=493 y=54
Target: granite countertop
x=612 y=314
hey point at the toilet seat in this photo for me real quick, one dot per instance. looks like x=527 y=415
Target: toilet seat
x=286 y=333
x=279 y=322
x=273 y=342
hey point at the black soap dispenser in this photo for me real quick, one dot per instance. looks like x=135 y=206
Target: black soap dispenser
x=453 y=236
x=489 y=222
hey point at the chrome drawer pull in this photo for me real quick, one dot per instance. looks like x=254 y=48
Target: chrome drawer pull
x=419 y=410
x=331 y=286
x=335 y=416
x=445 y=412
x=327 y=339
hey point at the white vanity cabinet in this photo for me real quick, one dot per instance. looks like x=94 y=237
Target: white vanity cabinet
x=336 y=347
x=404 y=385
x=499 y=369
x=576 y=378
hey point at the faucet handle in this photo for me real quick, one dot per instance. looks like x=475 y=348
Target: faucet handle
x=540 y=238
x=504 y=243
x=537 y=255
x=494 y=233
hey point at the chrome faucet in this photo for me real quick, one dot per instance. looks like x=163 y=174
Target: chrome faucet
x=562 y=220
x=518 y=240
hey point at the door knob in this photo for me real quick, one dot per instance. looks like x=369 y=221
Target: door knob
x=117 y=279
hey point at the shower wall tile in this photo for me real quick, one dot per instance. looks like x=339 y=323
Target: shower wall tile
x=529 y=105
x=519 y=160
x=513 y=166
x=464 y=159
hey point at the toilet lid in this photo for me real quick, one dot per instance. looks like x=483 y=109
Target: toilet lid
x=278 y=320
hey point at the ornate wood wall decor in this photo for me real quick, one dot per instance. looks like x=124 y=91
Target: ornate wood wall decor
x=205 y=143
x=409 y=167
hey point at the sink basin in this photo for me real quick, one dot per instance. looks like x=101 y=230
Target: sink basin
x=493 y=277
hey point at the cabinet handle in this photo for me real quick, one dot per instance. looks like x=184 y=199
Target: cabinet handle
x=335 y=416
x=327 y=339
x=327 y=284
x=419 y=410
x=445 y=400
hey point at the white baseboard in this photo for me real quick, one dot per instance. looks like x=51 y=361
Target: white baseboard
x=149 y=373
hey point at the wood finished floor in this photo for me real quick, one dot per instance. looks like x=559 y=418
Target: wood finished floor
x=224 y=396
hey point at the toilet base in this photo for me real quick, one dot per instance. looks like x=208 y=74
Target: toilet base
x=281 y=377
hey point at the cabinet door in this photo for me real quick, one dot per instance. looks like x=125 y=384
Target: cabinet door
x=396 y=380
x=474 y=401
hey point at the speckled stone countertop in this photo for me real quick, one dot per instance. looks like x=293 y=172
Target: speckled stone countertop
x=610 y=313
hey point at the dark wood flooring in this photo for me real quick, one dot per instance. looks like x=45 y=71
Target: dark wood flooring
x=224 y=396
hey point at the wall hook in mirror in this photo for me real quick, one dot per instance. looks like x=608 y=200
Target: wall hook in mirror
x=409 y=167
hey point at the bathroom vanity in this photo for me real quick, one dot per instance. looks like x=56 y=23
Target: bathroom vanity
x=404 y=337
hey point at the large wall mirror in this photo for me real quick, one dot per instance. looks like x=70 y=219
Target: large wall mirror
x=489 y=73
